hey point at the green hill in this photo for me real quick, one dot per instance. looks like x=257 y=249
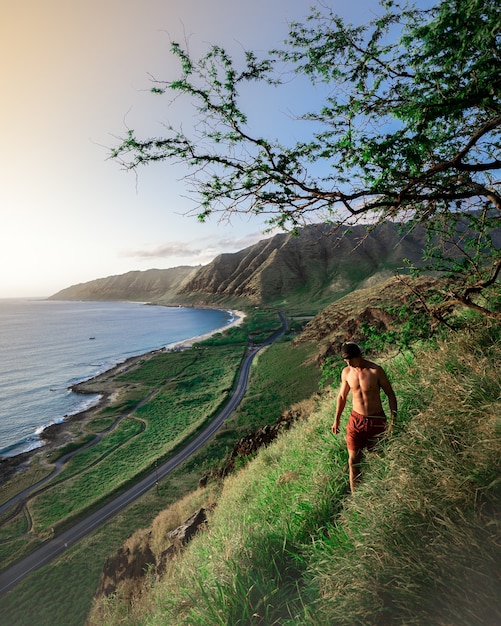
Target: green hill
x=133 y=286
x=418 y=543
x=284 y=542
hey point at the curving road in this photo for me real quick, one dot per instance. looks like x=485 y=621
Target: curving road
x=53 y=547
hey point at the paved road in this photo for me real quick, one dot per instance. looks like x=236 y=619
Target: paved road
x=22 y=496
x=53 y=547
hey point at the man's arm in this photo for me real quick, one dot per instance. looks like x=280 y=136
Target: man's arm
x=341 y=401
x=385 y=385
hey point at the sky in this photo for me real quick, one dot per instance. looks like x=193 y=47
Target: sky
x=75 y=76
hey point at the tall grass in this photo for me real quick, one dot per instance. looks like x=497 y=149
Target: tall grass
x=418 y=543
x=250 y=564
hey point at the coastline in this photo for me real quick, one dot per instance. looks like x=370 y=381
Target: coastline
x=238 y=318
x=59 y=434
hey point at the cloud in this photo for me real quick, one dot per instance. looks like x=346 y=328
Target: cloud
x=201 y=250
x=168 y=249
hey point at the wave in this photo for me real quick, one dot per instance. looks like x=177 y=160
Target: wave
x=29 y=443
x=35 y=439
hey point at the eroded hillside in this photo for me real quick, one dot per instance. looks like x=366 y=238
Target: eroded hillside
x=299 y=273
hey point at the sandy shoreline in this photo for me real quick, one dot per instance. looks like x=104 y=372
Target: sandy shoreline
x=188 y=343
x=59 y=434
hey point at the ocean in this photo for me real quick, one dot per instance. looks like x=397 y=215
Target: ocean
x=47 y=346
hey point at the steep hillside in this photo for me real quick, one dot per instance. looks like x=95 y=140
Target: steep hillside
x=343 y=320
x=133 y=286
x=317 y=266
x=280 y=542
x=302 y=273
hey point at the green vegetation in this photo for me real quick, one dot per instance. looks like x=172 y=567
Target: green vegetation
x=163 y=400
x=287 y=544
x=71 y=447
x=282 y=374
x=35 y=472
x=177 y=409
x=61 y=593
x=418 y=543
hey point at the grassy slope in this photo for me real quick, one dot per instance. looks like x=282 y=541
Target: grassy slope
x=60 y=594
x=418 y=543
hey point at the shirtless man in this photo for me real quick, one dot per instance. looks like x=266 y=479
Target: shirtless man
x=367 y=420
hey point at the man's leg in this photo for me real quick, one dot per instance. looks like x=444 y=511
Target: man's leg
x=354 y=459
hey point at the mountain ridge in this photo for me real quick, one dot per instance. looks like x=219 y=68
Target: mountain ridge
x=319 y=265
x=135 y=285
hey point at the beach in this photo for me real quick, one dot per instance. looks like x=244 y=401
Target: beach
x=188 y=343
x=67 y=431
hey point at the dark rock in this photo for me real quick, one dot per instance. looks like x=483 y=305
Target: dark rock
x=180 y=537
x=126 y=569
x=184 y=533
x=127 y=564
x=252 y=442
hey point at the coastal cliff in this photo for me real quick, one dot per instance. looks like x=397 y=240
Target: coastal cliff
x=321 y=263
x=134 y=286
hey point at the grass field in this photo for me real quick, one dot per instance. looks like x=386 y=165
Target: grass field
x=417 y=544
x=189 y=386
x=185 y=395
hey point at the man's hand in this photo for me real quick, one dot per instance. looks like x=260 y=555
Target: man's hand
x=335 y=428
x=392 y=421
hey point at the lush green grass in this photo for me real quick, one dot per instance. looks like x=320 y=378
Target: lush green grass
x=418 y=543
x=34 y=473
x=182 y=404
x=282 y=375
x=165 y=366
x=61 y=593
x=186 y=388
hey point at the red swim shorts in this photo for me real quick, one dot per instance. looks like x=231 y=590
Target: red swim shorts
x=364 y=431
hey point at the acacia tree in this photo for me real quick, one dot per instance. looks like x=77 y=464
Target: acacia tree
x=409 y=130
